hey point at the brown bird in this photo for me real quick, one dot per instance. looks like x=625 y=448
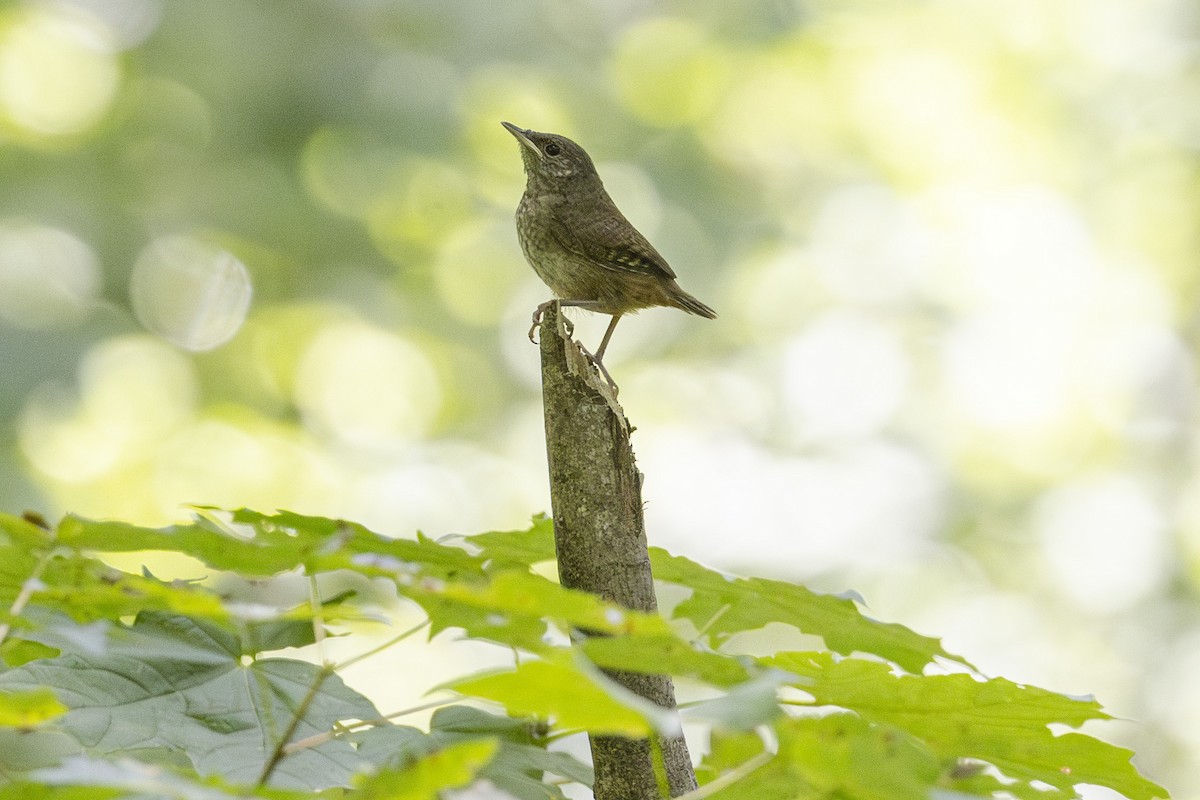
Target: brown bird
x=581 y=245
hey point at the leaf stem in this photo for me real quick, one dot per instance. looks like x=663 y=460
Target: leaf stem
x=713 y=620
x=281 y=748
x=318 y=617
x=28 y=587
x=734 y=775
x=394 y=640
x=321 y=738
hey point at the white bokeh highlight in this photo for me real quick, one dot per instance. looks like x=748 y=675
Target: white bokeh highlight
x=367 y=387
x=49 y=277
x=1104 y=541
x=843 y=376
x=190 y=292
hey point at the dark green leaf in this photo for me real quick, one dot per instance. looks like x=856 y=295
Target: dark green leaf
x=518 y=767
x=277 y=634
x=172 y=683
x=521 y=751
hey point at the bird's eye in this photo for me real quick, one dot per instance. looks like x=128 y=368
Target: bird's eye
x=552 y=149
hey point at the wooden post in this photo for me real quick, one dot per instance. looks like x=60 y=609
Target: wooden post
x=600 y=540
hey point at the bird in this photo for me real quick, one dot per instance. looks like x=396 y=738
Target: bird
x=581 y=245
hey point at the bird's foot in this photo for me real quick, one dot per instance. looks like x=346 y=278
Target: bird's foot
x=609 y=379
x=539 y=312
x=612 y=385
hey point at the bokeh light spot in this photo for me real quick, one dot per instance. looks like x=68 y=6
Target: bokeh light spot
x=367 y=387
x=342 y=174
x=58 y=70
x=884 y=267
x=48 y=276
x=423 y=201
x=669 y=72
x=844 y=376
x=925 y=111
x=131 y=21
x=520 y=96
x=133 y=391
x=236 y=459
x=1009 y=370
x=787 y=136
x=1105 y=541
x=478 y=266
x=189 y=292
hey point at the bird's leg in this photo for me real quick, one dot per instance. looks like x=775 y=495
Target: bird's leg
x=589 y=305
x=607 y=335
x=598 y=356
x=604 y=371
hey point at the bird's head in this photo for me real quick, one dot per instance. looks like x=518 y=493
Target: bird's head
x=549 y=157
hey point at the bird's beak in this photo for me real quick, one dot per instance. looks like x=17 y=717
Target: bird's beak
x=522 y=137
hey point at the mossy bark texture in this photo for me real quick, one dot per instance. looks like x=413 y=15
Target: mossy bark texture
x=600 y=539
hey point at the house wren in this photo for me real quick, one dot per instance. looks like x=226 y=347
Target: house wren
x=581 y=245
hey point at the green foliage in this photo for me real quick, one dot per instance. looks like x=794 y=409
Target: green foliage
x=721 y=606
x=573 y=693
x=122 y=685
x=24 y=709
x=516 y=766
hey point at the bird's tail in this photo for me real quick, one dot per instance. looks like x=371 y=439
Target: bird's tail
x=691 y=305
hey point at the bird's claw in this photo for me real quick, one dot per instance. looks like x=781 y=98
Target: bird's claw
x=539 y=312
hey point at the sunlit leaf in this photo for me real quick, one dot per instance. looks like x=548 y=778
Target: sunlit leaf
x=839 y=755
x=523 y=548
x=527 y=595
x=513 y=607
x=19 y=532
x=21 y=545
x=721 y=606
x=571 y=694
x=84 y=587
x=450 y=767
x=728 y=750
x=87 y=589
x=843 y=755
x=16 y=652
x=269 y=544
x=666 y=653
x=958 y=716
x=24 y=709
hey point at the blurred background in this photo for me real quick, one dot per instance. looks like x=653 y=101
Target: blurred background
x=263 y=254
